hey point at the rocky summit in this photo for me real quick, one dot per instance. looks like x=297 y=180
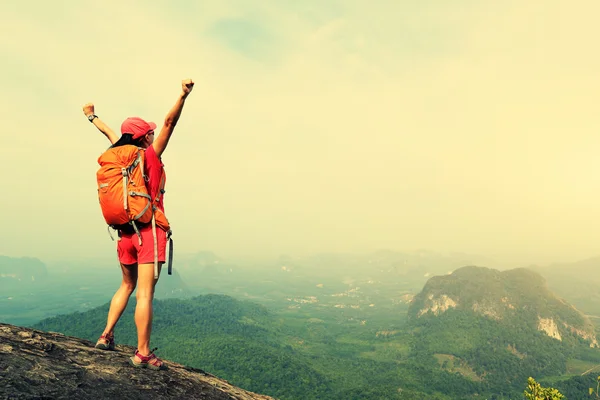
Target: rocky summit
x=517 y=297
x=45 y=365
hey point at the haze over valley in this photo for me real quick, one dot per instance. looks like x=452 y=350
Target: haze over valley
x=345 y=307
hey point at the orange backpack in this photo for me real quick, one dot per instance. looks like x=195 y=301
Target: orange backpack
x=122 y=191
x=123 y=195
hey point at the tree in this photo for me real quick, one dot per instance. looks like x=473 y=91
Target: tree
x=536 y=392
x=597 y=391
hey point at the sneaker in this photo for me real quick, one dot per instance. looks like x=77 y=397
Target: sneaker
x=151 y=361
x=106 y=342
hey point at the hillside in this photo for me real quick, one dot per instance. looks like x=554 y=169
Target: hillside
x=469 y=334
x=236 y=340
x=513 y=296
x=21 y=272
x=31 y=290
x=261 y=351
x=37 y=364
x=577 y=281
x=499 y=327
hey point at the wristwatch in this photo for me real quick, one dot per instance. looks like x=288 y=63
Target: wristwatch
x=91 y=117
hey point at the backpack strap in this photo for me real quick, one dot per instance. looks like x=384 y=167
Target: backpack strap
x=125 y=174
x=140 y=159
x=161 y=191
x=137 y=230
x=110 y=234
x=170 y=270
x=155 y=247
x=161 y=187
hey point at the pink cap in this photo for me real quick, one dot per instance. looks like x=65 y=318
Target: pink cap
x=137 y=127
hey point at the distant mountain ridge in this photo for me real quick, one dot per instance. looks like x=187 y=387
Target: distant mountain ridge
x=22 y=270
x=498 y=328
x=383 y=262
x=503 y=295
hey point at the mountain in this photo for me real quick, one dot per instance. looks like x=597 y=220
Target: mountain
x=203 y=262
x=104 y=277
x=519 y=294
x=471 y=334
x=578 y=281
x=499 y=327
x=22 y=271
x=381 y=263
x=43 y=365
x=240 y=341
x=287 y=356
x=30 y=290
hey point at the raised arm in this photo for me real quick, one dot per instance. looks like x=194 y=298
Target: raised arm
x=161 y=141
x=88 y=110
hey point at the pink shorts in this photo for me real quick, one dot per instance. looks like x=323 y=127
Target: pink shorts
x=130 y=251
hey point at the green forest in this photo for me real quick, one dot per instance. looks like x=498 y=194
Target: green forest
x=312 y=329
x=293 y=357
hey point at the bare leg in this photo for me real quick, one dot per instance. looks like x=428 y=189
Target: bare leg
x=143 y=309
x=121 y=297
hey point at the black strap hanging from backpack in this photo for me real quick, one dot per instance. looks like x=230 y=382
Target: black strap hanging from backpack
x=170 y=267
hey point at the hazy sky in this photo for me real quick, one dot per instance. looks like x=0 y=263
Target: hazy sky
x=313 y=125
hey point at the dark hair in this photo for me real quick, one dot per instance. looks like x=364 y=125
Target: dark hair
x=127 y=138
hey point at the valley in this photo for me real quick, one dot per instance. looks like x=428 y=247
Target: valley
x=347 y=332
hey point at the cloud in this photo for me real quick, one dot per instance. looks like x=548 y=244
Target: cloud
x=244 y=36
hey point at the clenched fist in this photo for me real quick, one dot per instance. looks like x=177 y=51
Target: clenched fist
x=187 y=85
x=88 y=109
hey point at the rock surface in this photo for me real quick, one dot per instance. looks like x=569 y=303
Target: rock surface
x=47 y=365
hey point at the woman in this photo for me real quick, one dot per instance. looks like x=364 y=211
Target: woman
x=137 y=259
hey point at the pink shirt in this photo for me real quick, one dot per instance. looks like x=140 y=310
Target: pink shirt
x=153 y=168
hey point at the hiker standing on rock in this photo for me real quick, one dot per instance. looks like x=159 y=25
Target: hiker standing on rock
x=142 y=231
